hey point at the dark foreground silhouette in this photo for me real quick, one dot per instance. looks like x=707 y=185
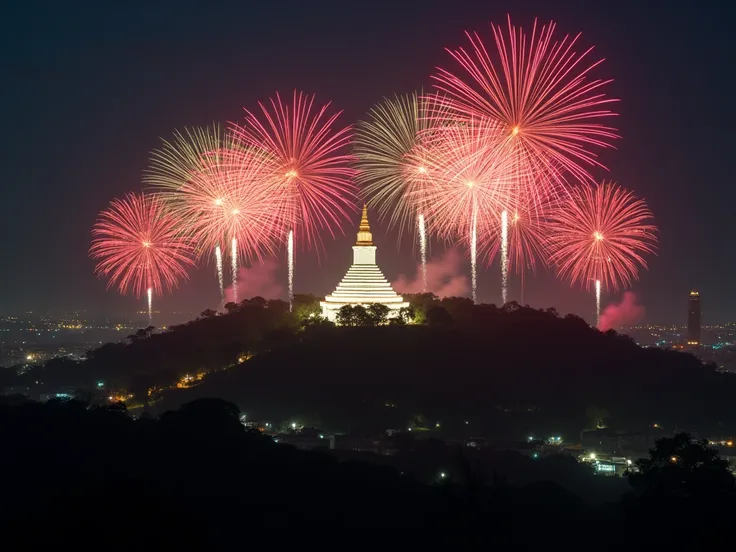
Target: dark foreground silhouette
x=196 y=477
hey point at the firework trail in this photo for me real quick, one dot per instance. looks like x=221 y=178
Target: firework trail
x=600 y=233
x=539 y=88
x=423 y=249
x=474 y=252
x=391 y=171
x=140 y=247
x=220 y=275
x=149 y=292
x=597 y=303
x=308 y=178
x=504 y=256
x=290 y=254
x=526 y=236
x=220 y=188
x=472 y=176
x=234 y=268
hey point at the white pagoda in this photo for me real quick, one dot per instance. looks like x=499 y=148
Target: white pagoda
x=364 y=283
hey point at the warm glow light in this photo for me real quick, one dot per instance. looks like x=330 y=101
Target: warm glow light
x=218 y=201
x=515 y=131
x=146 y=244
x=291 y=174
x=598 y=236
x=422 y=170
x=236 y=211
x=470 y=183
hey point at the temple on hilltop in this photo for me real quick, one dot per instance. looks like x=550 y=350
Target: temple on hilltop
x=364 y=283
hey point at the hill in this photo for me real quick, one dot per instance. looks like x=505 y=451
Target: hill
x=507 y=371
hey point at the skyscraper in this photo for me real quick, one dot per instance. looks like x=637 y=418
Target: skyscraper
x=693 y=318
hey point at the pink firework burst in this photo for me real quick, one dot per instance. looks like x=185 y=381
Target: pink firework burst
x=471 y=176
x=220 y=188
x=309 y=175
x=539 y=88
x=138 y=245
x=230 y=199
x=600 y=232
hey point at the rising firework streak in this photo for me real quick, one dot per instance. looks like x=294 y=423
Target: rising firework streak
x=139 y=247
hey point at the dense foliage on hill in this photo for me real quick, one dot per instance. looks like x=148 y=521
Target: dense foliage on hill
x=506 y=369
x=503 y=369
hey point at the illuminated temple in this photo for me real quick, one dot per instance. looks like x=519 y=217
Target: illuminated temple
x=364 y=283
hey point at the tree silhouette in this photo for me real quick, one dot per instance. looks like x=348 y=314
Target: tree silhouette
x=347 y=315
x=141 y=334
x=257 y=302
x=406 y=315
x=377 y=314
x=596 y=417
x=356 y=316
x=683 y=479
x=232 y=307
x=208 y=313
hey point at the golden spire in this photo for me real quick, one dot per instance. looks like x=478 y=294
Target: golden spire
x=364 y=230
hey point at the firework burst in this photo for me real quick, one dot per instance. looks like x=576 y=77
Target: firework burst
x=220 y=187
x=140 y=247
x=600 y=233
x=538 y=87
x=472 y=174
x=308 y=175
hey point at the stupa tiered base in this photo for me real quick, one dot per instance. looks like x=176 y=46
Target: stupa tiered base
x=364 y=282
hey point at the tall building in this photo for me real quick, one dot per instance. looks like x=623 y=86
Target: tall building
x=364 y=282
x=693 y=318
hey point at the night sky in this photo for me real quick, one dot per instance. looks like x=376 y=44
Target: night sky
x=88 y=90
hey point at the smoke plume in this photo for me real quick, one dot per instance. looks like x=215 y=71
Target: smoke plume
x=258 y=280
x=443 y=277
x=625 y=313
